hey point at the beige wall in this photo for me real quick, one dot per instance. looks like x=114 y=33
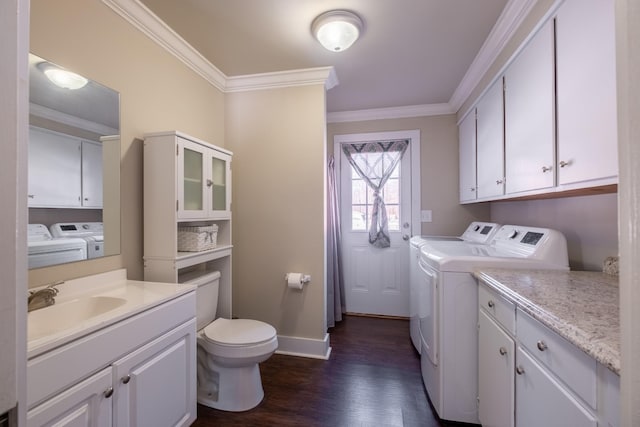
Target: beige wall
x=157 y=93
x=278 y=140
x=438 y=169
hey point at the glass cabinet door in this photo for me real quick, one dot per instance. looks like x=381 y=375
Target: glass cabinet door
x=219 y=186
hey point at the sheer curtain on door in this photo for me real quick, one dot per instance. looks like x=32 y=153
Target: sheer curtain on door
x=374 y=162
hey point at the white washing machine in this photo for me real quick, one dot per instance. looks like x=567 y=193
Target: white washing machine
x=477 y=232
x=44 y=249
x=91 y=232
x=448 y=307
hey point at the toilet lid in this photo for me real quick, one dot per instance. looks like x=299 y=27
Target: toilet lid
x=239 y=331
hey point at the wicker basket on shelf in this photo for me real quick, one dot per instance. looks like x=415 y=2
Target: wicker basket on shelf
x=197 y=238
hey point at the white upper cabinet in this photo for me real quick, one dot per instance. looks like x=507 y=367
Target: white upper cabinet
x=586 y=92
x=530 y=115
x=467 y=141
x=203 y=181
x=91 y=174
x=490 y=142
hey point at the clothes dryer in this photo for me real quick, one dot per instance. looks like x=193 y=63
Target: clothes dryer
x=448 y=307
x=476 y=232
x=44 y=249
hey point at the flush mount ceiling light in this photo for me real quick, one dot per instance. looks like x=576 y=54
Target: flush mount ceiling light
x=336 y=30
x=62 y=78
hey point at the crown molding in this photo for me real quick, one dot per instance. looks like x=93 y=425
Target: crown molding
x=390 y=113
x=69 y=120
x=310 y=76
x=509 y=21
x=143 y=19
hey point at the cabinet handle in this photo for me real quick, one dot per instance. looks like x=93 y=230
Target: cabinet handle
x=499 y=181
x=502 y=351
x=209 y=183
x=563 y=163
x=546 y=169
x=519 y=370
x=491 y=304
x=126 y=379
x=86 y=199
x=108 y=392
x=472 y=189
x=31 y=196
x=542 y=346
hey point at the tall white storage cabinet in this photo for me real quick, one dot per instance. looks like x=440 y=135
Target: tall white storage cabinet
x=187 y=182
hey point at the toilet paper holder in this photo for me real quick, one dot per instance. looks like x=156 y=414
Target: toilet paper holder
x=296 y=280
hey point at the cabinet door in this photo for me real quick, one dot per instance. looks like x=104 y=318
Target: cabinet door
x=156 y=384
x=490 y=140
x=91 y=174
x=54 y=169
x=586 y=72
x=530 y=115
x=219 y=185
x=542 y=401
x=496 y=360
x=192 y=176
x=467 y=148
x=88 y=403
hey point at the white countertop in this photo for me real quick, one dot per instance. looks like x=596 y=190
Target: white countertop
x=137 y=296
x=581 y=306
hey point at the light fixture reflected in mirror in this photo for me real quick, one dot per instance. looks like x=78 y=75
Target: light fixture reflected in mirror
x=62 y=78
x=337 y=30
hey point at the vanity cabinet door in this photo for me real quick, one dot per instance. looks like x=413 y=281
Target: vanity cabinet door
x=156 y=384
x=496 y=359
x=88 y=403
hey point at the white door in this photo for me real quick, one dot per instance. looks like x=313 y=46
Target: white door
x=377 y=279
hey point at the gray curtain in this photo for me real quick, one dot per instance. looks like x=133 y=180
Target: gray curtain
x=335 y=284
x=374 y=162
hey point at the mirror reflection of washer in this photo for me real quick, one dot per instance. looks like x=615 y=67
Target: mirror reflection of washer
x=45 y=250
x=91 y=232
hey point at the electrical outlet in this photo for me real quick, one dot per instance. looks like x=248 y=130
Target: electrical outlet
x=426 y=216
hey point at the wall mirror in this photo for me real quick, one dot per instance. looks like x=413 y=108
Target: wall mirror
x=74 y=167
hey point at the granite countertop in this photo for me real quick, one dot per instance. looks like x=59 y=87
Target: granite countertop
x=581 y=306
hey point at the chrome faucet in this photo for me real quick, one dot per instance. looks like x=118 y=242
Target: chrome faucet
x=43 y=297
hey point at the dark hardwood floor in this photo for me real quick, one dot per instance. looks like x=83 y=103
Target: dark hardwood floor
x=371 y=379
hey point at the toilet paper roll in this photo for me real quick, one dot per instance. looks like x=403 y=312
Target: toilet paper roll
x=294 y=280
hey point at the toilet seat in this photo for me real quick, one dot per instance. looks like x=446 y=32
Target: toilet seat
x=238 y=332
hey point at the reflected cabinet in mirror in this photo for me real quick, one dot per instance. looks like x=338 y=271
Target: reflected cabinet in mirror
x=74 y=167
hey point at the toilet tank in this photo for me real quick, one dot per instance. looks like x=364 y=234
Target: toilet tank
x=206 y=295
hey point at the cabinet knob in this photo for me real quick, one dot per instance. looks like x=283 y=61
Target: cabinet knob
x=126 y=379
x=563 y=163
x=108 y=392
x=499 y=181
x=542 y=346
x=86 y=199
x=209 y=183
x=472 y=189
x=502 y=351
x=546 y=169
x=31 y=196
x=519 y=370
x=491 y=304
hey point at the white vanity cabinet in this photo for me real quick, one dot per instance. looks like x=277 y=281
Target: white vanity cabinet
x=530 y=115
x=467 y=147
x=586 y=93
x=87 y=403
x=490 y=142
x=187 y=181
x=64 y=171
x=146 y=373
x=496 y=359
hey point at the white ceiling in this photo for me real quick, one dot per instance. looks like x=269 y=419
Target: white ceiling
x=412 y=52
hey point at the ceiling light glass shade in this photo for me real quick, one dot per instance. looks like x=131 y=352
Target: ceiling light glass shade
x=63 y=78
x=336 y=30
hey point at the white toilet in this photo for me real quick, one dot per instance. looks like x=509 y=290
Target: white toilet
x=229 y=351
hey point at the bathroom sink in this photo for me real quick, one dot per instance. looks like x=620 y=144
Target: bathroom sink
x=69 y=314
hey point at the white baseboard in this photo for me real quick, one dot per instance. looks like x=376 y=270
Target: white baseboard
x=304 y=347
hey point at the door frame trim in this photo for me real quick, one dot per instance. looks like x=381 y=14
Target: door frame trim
x=414 y=150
